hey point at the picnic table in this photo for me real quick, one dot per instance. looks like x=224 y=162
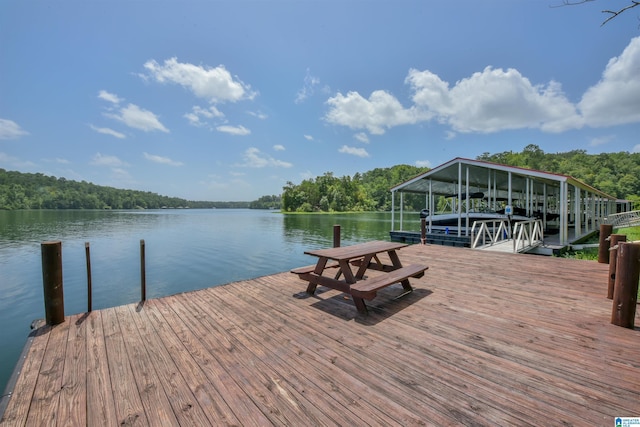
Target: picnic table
x=364 y=256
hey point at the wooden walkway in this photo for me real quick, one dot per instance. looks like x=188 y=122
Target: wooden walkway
x=485 y=339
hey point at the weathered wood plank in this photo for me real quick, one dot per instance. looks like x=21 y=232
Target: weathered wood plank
x=156 y=405
x=18 y=408
x=218 y=375
x=73 y=396
x=193 y=401
x=126 y=396
x=101 y=408
x=44 y=403
x=484 y=339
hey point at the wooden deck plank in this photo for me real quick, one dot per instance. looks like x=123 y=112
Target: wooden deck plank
x=157 y=406
x=100 y=400
x=216 y=374
x=191 y=400
x=44 y=403
x=126 y=395
x=304 y=369
x=267 y=388
x=484 y=339
x=18 y=408
x=73 y=396
x=396 y=366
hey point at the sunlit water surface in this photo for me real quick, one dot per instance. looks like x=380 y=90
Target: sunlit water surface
x=185 y=250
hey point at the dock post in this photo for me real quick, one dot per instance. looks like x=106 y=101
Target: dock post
x=52 y=282
x=336 y=236
x=143 y=273
x=89 y=290
x=603 y=248
x=423 y=230
x=626 y=287
x=613 y=258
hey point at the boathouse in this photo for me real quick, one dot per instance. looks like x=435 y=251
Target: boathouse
x=567 y=209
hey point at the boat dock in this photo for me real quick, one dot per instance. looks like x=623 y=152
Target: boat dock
x=484 y=339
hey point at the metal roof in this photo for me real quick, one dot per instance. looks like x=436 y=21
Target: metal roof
x=444 y=179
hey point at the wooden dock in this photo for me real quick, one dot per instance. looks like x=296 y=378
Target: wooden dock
x=485 y=339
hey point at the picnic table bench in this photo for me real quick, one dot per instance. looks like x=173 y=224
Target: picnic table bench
x=364 y=256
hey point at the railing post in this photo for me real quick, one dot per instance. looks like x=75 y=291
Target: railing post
x=143 y=273
x=626 y=286
x=89 y=290
x=613 y=260
x=52 y=282
x=423 y=230
x=336 y=236
x=603 y=248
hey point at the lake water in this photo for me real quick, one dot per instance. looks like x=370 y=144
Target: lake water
x=185 y=250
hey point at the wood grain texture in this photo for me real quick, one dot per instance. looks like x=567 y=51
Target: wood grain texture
x=484 y=339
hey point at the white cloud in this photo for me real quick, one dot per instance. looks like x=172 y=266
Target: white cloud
x=110 y=97
x=234 y=130
x=615 y=99
x=162 y=160
x=360 y=152
x=423 y=163
x=308 y=88
x=197 y=113
x=601 y=140
x=382 y=110
x=14 y=161
x=104 y=160
x=11 y=130
x=260 y=115
x=214 y=84
x=278 y=147
x=308 y=137
x=253 y=158
x=138 y=118
x=493 y=100
x=362 y=137
x=636 y=149
x=449 y=135
x=57 y=160
x=108 y=131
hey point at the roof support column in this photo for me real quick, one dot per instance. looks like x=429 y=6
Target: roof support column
x=564 y=213
x=466 y=231
x=578 y=213
x=401 y=209
x=459 y=198
x=393 y=210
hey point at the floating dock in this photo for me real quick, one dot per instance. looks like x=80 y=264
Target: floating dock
x=484 y=339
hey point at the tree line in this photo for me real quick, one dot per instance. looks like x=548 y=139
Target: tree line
x=368 y=191
x=617 y=174
x=37 y=191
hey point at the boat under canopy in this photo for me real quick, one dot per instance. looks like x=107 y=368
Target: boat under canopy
x=471 y=190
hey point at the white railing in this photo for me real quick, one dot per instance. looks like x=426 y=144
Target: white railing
x=489 y=232
x=624 y=219
x=527 y=234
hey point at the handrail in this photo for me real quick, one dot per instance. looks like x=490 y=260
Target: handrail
x=498 y=231
x=527 y=234
x=623 y=219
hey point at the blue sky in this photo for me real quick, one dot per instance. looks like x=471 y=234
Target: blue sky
x=229 y=100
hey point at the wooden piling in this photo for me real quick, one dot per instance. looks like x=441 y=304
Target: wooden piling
x=336 y=236
x=603 y=248
x=423 y=230
x=143 y=273
x=626 y=286
x=52 y=282
x=89 y=287
x=613 y=257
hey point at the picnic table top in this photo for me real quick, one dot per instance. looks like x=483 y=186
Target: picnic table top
x=356 y=251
